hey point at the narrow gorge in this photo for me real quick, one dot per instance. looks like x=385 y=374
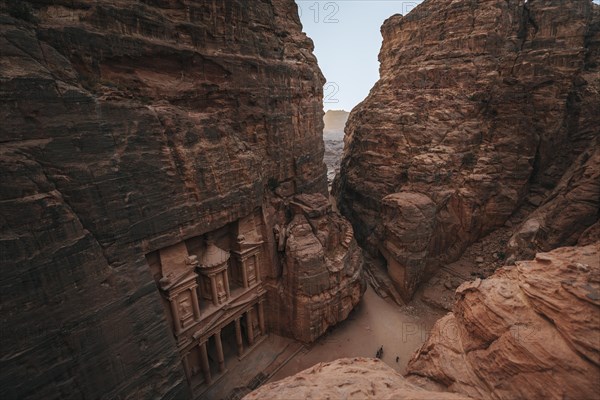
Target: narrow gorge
x=176 y=223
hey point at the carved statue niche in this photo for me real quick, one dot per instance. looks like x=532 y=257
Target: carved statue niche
x=254 y=322
x=186 y=313
x=280 y=236
x=247 y=256
x=213 y=273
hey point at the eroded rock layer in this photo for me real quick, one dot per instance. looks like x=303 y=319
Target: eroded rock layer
x=531 y=331
x=565 y=215
x=322 y=279
x=349 y=378
x=132 y=126
x=476 y=102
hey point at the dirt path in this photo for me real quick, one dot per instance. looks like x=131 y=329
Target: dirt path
x=374 y=322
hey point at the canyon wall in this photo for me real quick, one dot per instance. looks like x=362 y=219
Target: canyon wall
x=477 y=103
x=128 y=127
x=531 y=331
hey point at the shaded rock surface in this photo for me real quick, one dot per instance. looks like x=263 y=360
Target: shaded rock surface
x=531 y=331
x=348 y=378
x=565 y=215
x=130 y=126
x=478 y=104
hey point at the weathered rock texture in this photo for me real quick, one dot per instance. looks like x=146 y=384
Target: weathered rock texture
x=318 y=297
x=565 y=215
x=477 y=101
x=531 y=331
x=131 y=126
x=348 y=378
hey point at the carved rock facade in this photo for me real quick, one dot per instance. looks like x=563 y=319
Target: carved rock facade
x=149 y=150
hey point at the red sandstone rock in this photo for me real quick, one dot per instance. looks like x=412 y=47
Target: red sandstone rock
x=476 y=101
x=132 y=126
x=567 y=213
x=318 y=297
x=349 y=378
x=531 y=331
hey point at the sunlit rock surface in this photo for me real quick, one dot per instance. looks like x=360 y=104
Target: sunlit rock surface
x=531 y=331
x=348 y=378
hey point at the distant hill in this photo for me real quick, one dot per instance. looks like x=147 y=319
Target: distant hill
x=335 y=120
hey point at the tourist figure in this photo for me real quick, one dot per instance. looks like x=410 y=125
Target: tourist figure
x=379 y=352
x=397 y=358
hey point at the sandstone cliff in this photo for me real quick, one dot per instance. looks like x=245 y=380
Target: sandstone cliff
x=322 y=270
x=565 y=215
x=477 y=102
x=357 y=378
x=531 y=331
x=130 y=126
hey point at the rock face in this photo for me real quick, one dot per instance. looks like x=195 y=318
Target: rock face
x=318 y=297
x=567 y=212
x=357 y=378
x=531 y=331
x=129 y=127
x=476 y=103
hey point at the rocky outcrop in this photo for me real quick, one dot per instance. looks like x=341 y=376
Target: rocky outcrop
x=567 y=213
x=476 y=102
x=129 y=127
x=531 y=331
x=316 y=298
x=356 y=378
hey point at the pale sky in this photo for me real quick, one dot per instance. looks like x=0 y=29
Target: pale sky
x=347 y=42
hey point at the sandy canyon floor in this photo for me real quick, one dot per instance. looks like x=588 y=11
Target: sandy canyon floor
x=374 y=322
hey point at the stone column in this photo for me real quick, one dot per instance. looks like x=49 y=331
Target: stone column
x=220 y=355
x=195 y=304
x=205 y=364
x=244 y=274
x=250 y=327
x=226 y=277
x=261 y=316
x=238 y=336
x=213 y=287
x=186 y=368
x=256 y=267
x=175 y=314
